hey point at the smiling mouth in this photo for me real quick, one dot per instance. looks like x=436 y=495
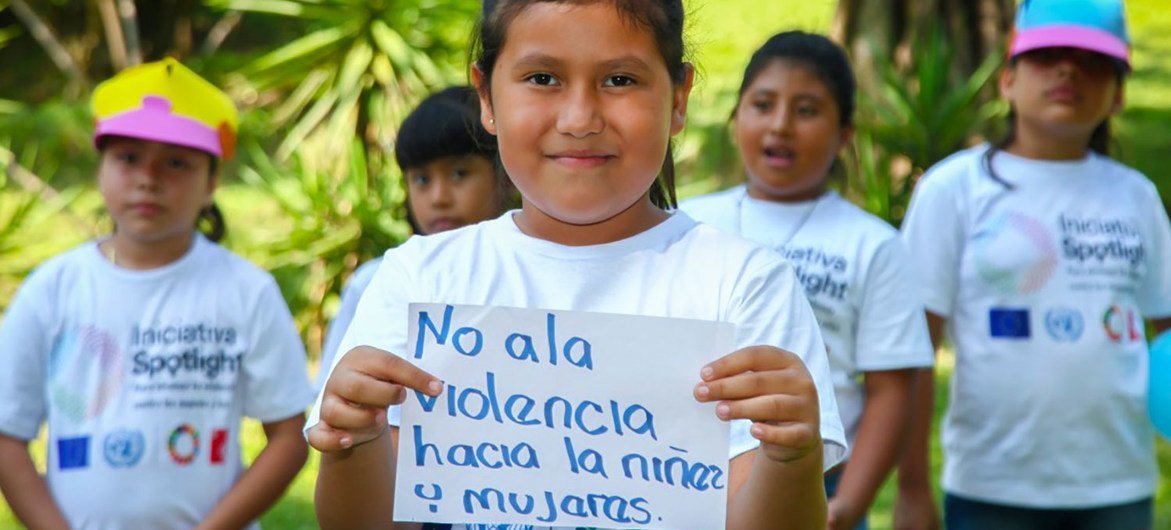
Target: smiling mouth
x=779 y=157
x=582 y=159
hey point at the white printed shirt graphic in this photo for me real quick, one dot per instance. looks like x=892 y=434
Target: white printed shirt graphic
x=1045 y=287
x=855 y=271
x=143 y=377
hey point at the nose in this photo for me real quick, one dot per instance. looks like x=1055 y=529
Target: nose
x=580 y=114
x=441 y=193
x=781 y=121
x=149 y=174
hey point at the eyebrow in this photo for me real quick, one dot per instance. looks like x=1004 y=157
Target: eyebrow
x=804 y=96
x=544 y=61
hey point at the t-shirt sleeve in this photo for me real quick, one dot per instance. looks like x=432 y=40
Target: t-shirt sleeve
x=380 y=320
x=1154 y=296
x=934 y=234
x=26 y=342
x=771 y=309
x=276 y=383
x=351 y=293
x=892 y=329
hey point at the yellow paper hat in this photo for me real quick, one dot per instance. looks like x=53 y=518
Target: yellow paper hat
x=166 y=102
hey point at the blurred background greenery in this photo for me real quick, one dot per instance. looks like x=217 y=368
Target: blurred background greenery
x=322 y=85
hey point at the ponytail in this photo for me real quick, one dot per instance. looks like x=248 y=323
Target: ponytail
x=211 y=223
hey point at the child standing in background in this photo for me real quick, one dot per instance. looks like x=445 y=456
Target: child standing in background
x=1042 y=257
x=143 y=350
x=793 y=117
x=448 y=162
x=583 y=132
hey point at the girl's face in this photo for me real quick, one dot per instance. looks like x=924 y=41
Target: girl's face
x=583 y=107
x=1066 y=91
x=451 y=192
x=154 y=191
x=788 y=130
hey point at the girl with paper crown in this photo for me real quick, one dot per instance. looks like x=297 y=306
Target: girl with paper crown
x=584 y=134
x=1042 y=257
x=142 y=350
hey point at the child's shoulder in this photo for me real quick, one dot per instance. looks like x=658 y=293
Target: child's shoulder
x=711 y=204
x=957 y=169
x=734 y=251
x=857 y=221
x=1125 y=175
x=228 y=268
x=59 y=267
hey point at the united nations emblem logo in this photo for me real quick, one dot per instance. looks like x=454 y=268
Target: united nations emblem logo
x=1065 y=324
x=124 y=448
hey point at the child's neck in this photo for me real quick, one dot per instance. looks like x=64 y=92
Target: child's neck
x=638 y=218
x=1047 y=145
x=129 y=253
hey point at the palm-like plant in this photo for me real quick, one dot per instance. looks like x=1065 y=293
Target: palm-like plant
x=362 y=66
x=914 y=117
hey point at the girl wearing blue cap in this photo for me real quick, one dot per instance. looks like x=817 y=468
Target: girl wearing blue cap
x=141 y=351
x=1042 y=257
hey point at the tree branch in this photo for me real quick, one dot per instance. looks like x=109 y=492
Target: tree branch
x=220 y=31
x=115 y=42
x=49 y=41
x=129 y=15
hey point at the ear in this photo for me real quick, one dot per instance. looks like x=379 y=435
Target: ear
x=680 y=94
x=1119 y=99
x=1006 y=81
x=845 y=137
x=487 y=116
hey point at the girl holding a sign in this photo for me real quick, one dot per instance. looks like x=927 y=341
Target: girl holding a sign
x=794 y=115
x=584 y=98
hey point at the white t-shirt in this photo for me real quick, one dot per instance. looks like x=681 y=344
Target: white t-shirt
x=143 y=377
x=351 y=293
x=855 y=272
x=1045 y=287
x=678 y=268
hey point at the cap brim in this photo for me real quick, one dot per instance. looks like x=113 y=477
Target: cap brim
x=1070 y=36
x=169 y=129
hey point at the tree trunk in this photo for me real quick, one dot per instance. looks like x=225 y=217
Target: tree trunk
x=890 y=27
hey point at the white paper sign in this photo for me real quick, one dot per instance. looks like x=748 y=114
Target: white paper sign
x=562 y=418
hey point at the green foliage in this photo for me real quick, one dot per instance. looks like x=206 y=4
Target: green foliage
x=914 y=117
x=338 y=220
x=361 y=67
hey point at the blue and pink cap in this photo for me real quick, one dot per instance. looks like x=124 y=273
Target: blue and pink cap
x=1094 y=25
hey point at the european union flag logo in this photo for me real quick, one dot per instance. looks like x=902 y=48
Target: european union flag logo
x=73 y=453
x=1008 y=323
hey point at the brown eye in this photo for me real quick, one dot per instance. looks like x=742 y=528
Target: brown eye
x=542 y=79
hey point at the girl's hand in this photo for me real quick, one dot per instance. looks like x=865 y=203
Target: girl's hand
x=364 y=383
x=771 y=387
